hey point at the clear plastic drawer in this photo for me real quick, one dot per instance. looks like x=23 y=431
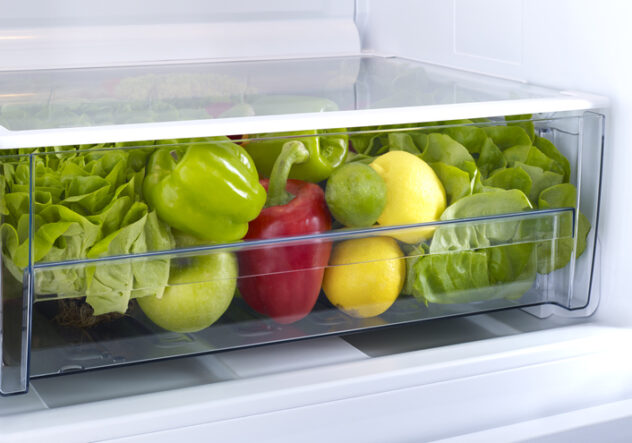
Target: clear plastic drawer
x=97 y=270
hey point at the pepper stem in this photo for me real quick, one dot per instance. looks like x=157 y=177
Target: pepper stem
x=292 y=152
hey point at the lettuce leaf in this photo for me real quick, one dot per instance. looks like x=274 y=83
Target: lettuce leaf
x=87 y=203
x=527 y=126
x=403 y=141
x=458 y=277
x=109 y=286
x=457 y=183
x=466 y=236
x=507 y=136
x=490 y=158
x=555 y=254
x=489 y=170
x=510 y=178
x=549 y=149
x=464 y=265
x=442 y=148
x=473 y=276
x=540 y=179
x=535 y=157
x=472 y=137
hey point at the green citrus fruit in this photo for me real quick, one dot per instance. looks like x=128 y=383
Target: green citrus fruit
x=356 y=195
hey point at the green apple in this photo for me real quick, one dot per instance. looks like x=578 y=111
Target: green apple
x=197 y=295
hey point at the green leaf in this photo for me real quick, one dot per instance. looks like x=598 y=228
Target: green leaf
x=368 y=143
x=401 y=141
x=510 y=178
x=535 y=157
x=512 y=120
x=472 y=137
x=3 y=205
x=442 y=148
x=353 y=157
x=413 y=254
x=583 y=229
x=512 y=269
x=86 y=203
x=59 y=213
x=508 y=136
x=16 y=203
x=555 y=254
x=457 y=183
x=478 y=205
x=109 y=285
x=518 y=153
x=10 y=243
x=459 y=277
x=540 y=179
x=551 y=151
x=87 y=194
x=559 y=196
x=490 y=158
x=465 y=236
x=476 y=270
x=151 y=275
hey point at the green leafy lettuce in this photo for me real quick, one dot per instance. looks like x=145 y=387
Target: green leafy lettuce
x=87 y=203
x=487 y=168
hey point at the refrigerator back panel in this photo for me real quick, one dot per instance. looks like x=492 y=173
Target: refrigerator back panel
x=71 y=34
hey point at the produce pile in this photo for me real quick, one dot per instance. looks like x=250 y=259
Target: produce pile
x=92 y=201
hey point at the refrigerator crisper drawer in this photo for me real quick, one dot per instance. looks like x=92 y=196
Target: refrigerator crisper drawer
x=117 y=252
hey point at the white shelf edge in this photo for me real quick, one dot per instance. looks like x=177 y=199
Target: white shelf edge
x=568 y=101
x=328 y=385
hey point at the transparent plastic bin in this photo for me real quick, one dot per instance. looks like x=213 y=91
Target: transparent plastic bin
x=464 y=266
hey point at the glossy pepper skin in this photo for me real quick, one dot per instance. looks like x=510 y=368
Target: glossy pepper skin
x=210 y=190
x=284 y=282
x=326 y=153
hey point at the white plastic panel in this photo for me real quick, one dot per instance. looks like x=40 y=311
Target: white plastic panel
x=40 y=34
x=504 y=44
x=459 y=389
x=44 y=13
x=76 y=106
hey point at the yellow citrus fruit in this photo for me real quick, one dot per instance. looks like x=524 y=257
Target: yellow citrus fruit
x=414 y=193
x=366 y=276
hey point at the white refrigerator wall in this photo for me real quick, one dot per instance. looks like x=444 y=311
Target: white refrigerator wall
x=573 y=45
x=37 y=34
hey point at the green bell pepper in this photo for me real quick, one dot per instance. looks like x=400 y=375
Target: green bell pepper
x=326 y=152
x=210 y=190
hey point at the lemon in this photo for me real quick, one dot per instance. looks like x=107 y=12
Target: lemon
x=366 y=276
x=414 y=193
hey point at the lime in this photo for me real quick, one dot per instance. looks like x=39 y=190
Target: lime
x=356 y=195
x=365 y=276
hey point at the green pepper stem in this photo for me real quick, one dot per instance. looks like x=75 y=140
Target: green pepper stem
x=293 y=152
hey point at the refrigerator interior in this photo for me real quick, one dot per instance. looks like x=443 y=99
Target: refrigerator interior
x=377 y=34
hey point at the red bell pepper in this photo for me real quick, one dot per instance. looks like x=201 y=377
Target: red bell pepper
x=283 y=282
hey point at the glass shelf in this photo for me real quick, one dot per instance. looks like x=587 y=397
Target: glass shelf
x=99 y=105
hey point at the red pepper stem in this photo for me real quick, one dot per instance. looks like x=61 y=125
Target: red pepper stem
x=293 y=152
